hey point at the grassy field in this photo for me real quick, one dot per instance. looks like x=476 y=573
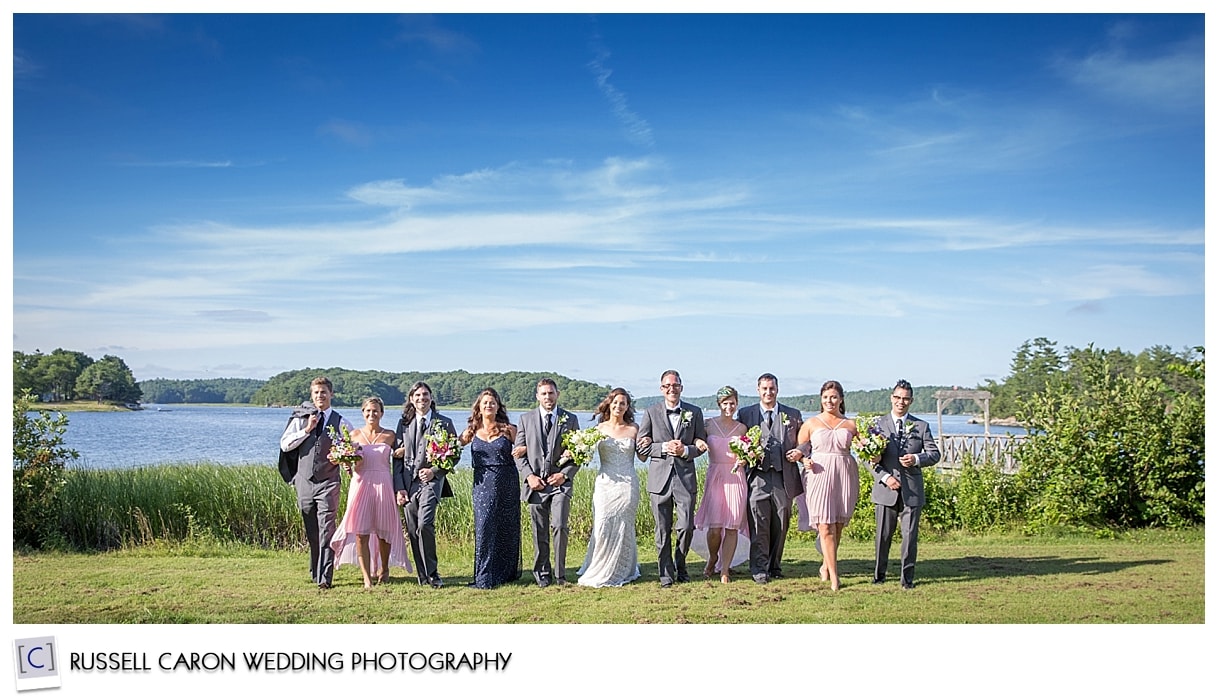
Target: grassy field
x=1140 y=577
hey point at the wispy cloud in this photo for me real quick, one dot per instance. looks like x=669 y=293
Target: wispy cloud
x=351 y=132
x=188 y=164
x=424 y=30
x=1173 y=79
x=638 y=131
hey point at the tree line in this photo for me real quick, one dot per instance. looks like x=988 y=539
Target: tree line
x=1038 y=364
x=518 y=389
x=65 y=375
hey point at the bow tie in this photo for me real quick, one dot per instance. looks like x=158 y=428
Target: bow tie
x=675 y=411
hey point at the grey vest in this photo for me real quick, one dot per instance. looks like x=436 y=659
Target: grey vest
x=314 y=464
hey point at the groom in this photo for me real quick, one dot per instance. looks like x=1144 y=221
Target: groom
x=419 y=486
x=304 y=461
x=898 y=492
x=547 y=473
x=775 y=483
x=667 y=433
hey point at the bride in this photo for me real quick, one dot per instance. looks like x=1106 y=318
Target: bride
x=613 y=557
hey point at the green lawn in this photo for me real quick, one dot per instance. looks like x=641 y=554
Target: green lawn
x=1141 y=577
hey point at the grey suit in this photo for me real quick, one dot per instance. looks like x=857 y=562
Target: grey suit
x=317 y=483
x=772 y=489
x=549 y=508
x=904 y=504
x=672 y=484
x=423 y=497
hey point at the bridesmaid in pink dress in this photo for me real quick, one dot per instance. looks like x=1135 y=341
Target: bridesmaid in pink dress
x=371 y=509
x=723 y=515
x=831 y=475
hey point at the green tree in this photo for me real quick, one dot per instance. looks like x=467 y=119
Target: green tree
x=39 y=457
x=1110 y=448
x=1036 y=363
x=108 y=379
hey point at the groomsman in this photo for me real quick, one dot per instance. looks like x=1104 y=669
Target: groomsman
x=898 y=493
x=304 y=461
x=667 y=435
x=776 y=483
x=419 y=486
x=547 y=472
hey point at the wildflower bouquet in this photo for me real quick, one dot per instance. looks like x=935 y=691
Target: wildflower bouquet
x=343 y=449
x=443 y=449
x=748 y=448
x=870 y=442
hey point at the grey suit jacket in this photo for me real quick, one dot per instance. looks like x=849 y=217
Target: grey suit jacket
x=750 y=416
x=543 y=459
x=655 y=424
x=406 y=468
x=918 y=441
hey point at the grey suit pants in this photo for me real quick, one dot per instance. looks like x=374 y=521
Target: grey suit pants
x=549 y=519
x=769 y=517
x=318 y=503
x=420 y=515
x=886 y=519
x=672 y=541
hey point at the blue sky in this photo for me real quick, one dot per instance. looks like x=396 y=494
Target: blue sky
x=850 y=197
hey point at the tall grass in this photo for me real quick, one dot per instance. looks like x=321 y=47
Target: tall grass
x=105 y=509
x=250 y=504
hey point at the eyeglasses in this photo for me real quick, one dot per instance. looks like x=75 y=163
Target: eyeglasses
x=670 y=386
x=902 y=399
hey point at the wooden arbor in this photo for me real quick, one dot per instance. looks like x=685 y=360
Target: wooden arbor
x=981 y=397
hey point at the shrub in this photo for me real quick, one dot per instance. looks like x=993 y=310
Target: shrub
x=39 y=457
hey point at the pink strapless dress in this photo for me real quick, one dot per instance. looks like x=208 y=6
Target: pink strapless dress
x=832 y=483
x=373 y=511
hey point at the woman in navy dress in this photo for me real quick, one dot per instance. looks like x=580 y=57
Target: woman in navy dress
x=496 y=492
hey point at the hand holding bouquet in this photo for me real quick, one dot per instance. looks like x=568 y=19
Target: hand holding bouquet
x=748 y=448
x=581 y=443
x=343 y=449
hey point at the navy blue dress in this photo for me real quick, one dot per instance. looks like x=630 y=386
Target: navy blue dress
x=496 y=513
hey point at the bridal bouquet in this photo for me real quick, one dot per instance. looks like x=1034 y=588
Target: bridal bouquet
x=443 y=449
x=870 y=442
x=581 y=443
x=747 y=448
x=343 y=449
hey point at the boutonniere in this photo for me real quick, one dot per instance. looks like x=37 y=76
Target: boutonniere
x=786 y=421
x=566 y=420
x=686 y=418
x=909 y=427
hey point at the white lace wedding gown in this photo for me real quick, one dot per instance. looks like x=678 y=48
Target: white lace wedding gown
x=613 y=555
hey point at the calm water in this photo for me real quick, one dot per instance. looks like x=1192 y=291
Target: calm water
x=242 y=434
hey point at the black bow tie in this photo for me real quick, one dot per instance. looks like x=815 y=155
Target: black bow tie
x=676 y=411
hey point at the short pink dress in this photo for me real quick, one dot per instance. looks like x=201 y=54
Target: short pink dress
x=725 y=499
x=371 y=510
x=832 y=483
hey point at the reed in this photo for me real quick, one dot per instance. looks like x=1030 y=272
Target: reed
x=250 y=504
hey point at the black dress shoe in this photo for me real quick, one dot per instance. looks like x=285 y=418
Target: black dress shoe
x=561 y=581
x=543 y=583
x=909 y=585
x=436 y=582
x=879 y=580
x=776 y=574
x=761 y=579
x=665 y=583
x=682 y=578
x=323 y=585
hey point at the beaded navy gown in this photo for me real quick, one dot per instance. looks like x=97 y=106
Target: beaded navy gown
x=496 y=513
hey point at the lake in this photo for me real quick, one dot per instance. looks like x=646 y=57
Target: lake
x=243 y=434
